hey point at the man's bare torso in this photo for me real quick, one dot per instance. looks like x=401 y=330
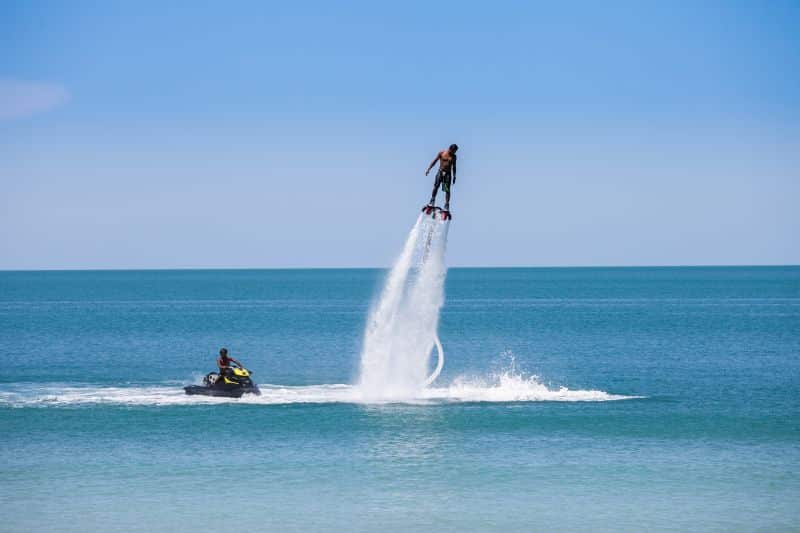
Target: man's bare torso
x=446 y=161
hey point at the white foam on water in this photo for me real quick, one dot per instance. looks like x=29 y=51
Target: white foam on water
x=506 y=386
x=514 y=388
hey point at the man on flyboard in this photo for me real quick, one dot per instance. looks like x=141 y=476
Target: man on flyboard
x=445 y=177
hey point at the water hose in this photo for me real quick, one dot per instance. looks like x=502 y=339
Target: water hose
x=439 y=362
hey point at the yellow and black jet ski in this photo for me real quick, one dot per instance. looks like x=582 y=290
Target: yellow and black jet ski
x=232 y=383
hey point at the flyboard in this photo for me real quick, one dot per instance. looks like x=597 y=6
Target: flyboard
x=437 y=212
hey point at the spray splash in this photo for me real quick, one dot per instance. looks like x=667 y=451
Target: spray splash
x=401 y=328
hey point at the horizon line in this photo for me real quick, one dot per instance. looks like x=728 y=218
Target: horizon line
x=464 y=267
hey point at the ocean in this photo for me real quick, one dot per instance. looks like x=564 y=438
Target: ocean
x=616 y=399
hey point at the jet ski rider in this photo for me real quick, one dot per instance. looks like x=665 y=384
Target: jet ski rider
x=224 y=362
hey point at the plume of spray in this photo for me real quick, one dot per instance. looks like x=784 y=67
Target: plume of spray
x=402 y=324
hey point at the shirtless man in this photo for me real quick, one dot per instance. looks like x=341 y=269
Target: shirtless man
x=447 y=170
x=224 y=362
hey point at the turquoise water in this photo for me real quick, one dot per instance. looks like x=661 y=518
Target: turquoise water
x=698 y=367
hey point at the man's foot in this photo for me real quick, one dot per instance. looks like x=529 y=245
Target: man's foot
x=447 y=207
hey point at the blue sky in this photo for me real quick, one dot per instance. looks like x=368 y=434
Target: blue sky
x=253 y=134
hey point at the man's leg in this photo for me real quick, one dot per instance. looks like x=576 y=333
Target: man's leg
x=446 y=182
x=435 y=190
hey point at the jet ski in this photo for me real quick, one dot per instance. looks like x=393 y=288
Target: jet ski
x=232 y=384
x=436 y=212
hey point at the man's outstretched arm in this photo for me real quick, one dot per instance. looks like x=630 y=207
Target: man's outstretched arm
x=454 y=169
x=435 y=159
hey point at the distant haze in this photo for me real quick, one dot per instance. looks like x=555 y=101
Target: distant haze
x=250 y=134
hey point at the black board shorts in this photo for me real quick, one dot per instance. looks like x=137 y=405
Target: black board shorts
x=443 y=178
